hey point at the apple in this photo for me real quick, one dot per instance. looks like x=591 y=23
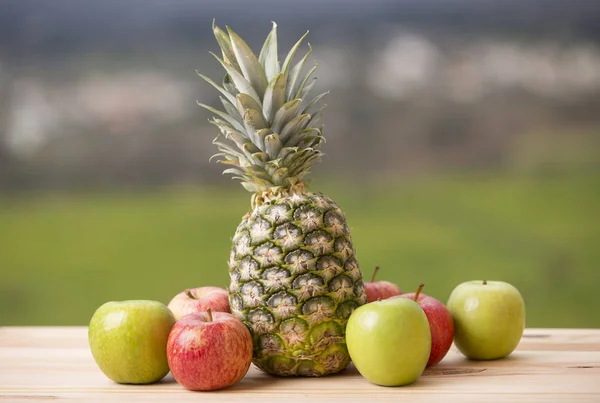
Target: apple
x=389 y=341
x=377 y=290
x=440 y=324
x=209 y=351
x=199 y=299
x=489 y=318
x=128 y=340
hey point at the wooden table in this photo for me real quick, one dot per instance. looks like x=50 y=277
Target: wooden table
x=550 y=365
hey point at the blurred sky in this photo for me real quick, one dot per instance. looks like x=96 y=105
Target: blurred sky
x=43 y=24
x=87 y=87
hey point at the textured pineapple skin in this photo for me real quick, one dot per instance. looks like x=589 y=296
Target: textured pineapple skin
x=295 y=281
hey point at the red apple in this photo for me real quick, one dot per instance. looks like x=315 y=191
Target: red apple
x=209 y=351
x=199 y=299
x=440 y=324
x=380 y=289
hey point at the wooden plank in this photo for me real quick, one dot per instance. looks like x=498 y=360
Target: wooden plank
x=54 y=363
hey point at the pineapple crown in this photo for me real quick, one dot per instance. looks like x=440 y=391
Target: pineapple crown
x=268 y=134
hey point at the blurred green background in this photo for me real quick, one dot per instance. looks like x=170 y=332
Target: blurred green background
x=69 y=253
x=459 y=148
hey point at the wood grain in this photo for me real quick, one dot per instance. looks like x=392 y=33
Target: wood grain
x=550 y=365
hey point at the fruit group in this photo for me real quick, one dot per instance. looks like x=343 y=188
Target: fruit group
x=199 y=299
x=380 y=289
x=489 y=318
x=209 y=351
x=295 y=278
x=440 y=324
x=128 y=340
x=389 y=341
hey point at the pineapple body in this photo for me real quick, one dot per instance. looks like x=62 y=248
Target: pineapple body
x=294 y=275
x=295 y=281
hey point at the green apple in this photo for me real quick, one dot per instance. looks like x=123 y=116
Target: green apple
x=389 y=341
x=128 y=340
x=489 y=318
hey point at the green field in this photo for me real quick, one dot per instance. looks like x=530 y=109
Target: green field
x=62 y=255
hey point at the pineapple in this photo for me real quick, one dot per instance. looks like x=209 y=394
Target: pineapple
x=295 y=278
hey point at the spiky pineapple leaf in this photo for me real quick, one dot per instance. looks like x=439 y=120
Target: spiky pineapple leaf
x=306 y=89
x=250 y=67
x=288 y=60
x=253 y=120
x=229 y=119
x=229 y=160
x=294 y=126
x=300 y=136
x=238 y=79
x=231 y=110
x=260 y=136
x=310 y=141
x=313 y=102
x=294 y=156
x=222 y=90
x=279 y=176
x=267 y=133
x=303 y=169
x=301 y=92
x=223 y=126
x=245 y=102
x=260 y=157
x=273 y=145
x=315 y=117
x=285 y=114
x=268 y=55
x=241 y=141
x=225 y=45
x=251 y=187
x=235 y=171
x=301 y=160
x=229 y=85
x=292 y=82
x=285 y=151
x=258 y=172
x=274 y=97
x=227 y=148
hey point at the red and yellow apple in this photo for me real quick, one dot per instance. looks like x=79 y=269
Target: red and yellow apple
x=209 y=351
x=440 y=324
x=380 y=290
x=199 y=299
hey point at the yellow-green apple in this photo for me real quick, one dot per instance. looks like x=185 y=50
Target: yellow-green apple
x=440 y=324
x=128 y=340
x=377 y=290
x=489 y=318
x=199 y=299
x=389 y=341
x=209 y=351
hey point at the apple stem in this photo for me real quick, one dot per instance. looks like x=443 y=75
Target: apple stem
x=374 y=273
x=189 y=294
x=209 y=312
x=484 y=282
x=419 y=289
